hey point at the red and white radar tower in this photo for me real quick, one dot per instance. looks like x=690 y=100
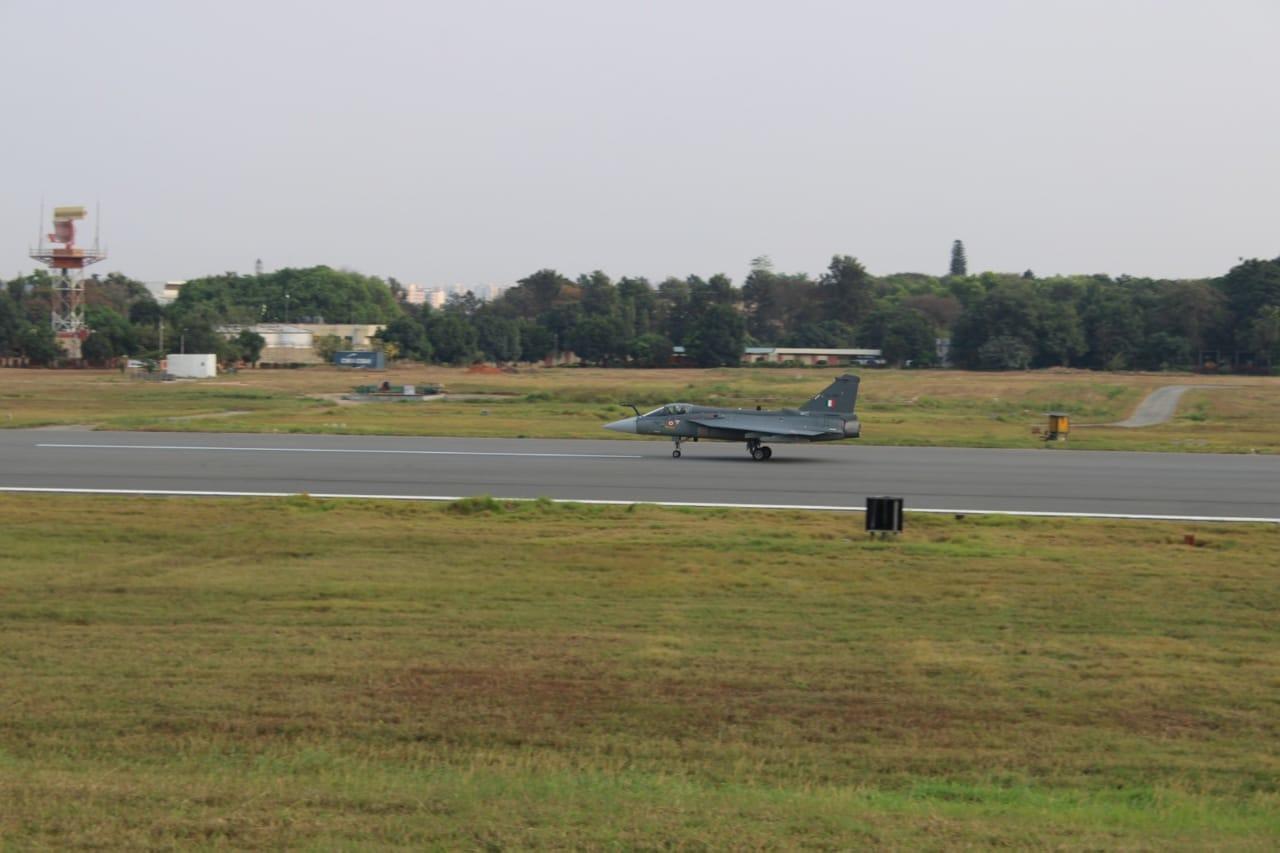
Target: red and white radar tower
x=68 y=262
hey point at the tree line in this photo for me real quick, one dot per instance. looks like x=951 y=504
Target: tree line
x=994 y=321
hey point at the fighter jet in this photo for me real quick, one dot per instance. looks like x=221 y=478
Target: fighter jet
x=824 y=417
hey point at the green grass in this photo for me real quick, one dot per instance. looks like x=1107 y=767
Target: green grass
x=945 y=408
x=296 y=672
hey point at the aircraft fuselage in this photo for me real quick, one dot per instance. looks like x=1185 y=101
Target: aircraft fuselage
x=675 y=420
x=827 y=416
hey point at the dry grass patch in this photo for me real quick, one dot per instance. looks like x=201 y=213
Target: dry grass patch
x=324 y=673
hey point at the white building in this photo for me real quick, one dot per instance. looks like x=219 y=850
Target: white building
x=294 y=343
x=163 y=292
x=201 y=365
x=812 y=355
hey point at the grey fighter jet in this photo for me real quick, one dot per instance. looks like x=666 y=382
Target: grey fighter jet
x=824 y=417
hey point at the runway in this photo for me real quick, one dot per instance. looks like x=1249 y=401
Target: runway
x=832 y=476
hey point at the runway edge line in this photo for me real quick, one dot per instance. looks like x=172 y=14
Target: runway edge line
x=601 y=502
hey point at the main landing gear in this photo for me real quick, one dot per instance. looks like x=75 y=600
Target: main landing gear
x=758 y=451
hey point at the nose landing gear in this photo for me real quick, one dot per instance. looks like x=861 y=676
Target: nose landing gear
x=675 y=454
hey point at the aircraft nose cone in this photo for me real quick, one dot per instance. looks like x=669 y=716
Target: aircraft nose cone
x=624 y=425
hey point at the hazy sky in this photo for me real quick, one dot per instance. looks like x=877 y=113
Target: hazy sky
x=475 y=142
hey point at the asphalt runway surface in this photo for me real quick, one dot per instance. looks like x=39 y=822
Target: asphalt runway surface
x=828 y=476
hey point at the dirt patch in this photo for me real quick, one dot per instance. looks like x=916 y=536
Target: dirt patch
x=357 y=399
x=541 y=703
x=229 y=413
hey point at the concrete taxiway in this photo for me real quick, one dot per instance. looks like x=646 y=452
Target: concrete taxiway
x=834 y=476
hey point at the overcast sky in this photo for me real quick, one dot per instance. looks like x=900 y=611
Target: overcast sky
x=475 y=142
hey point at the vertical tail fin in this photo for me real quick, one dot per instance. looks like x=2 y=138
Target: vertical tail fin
x=838 y=398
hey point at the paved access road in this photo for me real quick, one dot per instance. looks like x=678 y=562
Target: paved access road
x=833 y=475
x=1158 y=407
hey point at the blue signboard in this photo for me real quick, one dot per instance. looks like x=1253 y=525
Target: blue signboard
x=371 y=358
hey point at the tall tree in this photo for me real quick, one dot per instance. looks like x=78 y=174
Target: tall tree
x=717 y=290
x=902 y=334
x=498 y=337
x=38 y=343
x=1263 y=334
x=1113 y=324
x=536 y=341
x=959 y=263
x=716 y=336
x=11 y=324
x=599 y=295
x=117 y=336
x=117 y=292
x=536 y=294
x=409 y=336
x=651 y=351
x=96 y=349
x=1010 y=310
x=674 y=309
x=1250 y=287
x=1196 y=310
x=310 y=295
x=598 y=339
x=453 y=336
x=637 y=305
x=249 y=345
x=845 y=290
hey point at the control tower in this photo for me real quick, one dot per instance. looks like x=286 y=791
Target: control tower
x=67 y=261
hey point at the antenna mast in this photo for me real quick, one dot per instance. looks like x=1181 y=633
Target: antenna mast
x=68 y=263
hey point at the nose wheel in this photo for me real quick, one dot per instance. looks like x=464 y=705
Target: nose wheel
x=675 y=454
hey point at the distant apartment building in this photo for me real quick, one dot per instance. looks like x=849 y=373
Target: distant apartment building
x=487 y=292
x=418 y=294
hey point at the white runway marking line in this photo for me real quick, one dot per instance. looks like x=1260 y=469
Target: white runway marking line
x=1132 y=516
x=339 y=450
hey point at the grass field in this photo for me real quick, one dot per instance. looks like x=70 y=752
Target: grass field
x=312 y=673
x=954 y=408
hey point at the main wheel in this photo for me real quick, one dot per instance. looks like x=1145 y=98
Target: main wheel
x=675 y=454
x=757 y=453
x=768 y=452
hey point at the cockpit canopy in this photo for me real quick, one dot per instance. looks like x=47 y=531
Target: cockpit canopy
x=669 y=409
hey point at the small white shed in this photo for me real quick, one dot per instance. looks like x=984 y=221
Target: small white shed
x=199 y=365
